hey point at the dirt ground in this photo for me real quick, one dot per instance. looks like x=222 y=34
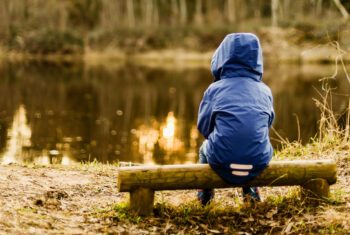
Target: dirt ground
x=78 y=200
x=53 y=200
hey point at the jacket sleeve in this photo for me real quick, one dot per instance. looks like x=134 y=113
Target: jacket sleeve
x=272 y=111
x=205 y=115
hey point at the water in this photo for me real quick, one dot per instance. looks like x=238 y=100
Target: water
x=145 y=114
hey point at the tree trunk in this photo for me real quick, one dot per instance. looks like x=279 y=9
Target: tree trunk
x=26 y=10
x=274 y=8
x=175 y=12
x=231 y=11
x=198 y=14
x=318 y=7
x=183 y=12
x=5 y=14
x=193 y=176
x=149 y=10
x=130 y=12
x=155 y=15
x=286 y=9
x=341 y=8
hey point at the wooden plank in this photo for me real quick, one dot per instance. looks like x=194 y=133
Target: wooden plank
x=193 y=176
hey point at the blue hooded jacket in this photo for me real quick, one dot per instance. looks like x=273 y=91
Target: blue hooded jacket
x=236 y=111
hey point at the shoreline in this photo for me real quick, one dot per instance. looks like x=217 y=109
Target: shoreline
x=307 y=54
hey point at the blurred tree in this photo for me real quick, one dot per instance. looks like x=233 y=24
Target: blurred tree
x=231 y=11
x=274 y=8
x=156 y=14
x=130 y=11
x=85 y=13
x=4 y=14
x=175 y=11
x=199 y=14
x=148 y=13
x=318 y=7
x=183 y=12
x=341 y=8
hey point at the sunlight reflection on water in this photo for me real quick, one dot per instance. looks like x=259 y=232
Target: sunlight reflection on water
x=19 y=145
x=19 y=137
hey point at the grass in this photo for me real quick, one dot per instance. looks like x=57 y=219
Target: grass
x=280 y=214
x=93 y=166
x=117 y=213
x=332 y=140
x=96 y=166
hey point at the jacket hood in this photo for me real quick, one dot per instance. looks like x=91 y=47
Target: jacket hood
x=239 y=55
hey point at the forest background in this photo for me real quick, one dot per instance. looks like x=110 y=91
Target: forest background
x=123 y=27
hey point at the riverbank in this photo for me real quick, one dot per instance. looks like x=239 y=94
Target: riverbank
x=83 y=199
x=279 y=46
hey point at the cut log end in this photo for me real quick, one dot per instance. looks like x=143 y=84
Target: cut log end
x=316 y=187
x=141 y=201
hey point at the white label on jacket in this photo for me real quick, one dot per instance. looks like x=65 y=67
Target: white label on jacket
x=241 y=166
x=240 y=173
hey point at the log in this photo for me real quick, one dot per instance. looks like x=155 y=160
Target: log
x=141 y=201
x=316 y=188
x=194 y=176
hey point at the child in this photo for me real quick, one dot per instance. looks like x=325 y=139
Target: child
x=235 y=114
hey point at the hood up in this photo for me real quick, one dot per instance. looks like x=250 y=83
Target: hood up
x=239 y=55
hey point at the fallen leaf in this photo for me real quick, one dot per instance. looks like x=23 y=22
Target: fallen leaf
x=271 y=213
x=288 y=228
x=214 y=231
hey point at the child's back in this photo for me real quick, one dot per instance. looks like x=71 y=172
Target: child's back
x=236 y=111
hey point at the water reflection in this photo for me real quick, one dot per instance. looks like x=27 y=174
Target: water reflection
x=148 y=137
x=169 y=142
x=163 y=140
x=19 y=138
x=19 y=147
x=66 y=114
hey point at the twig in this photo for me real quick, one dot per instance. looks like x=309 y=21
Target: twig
x=282 y=140
x=298 y=125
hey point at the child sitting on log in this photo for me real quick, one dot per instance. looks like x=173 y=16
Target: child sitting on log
x=235 y=115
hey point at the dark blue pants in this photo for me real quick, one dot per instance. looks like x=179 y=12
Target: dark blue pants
x=205 y=195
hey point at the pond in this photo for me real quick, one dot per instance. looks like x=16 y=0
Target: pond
x=76 y=112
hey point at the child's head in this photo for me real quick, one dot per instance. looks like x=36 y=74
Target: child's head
x=239 y=55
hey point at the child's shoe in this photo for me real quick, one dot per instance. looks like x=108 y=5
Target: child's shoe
x=251 y=194
x=205 y=195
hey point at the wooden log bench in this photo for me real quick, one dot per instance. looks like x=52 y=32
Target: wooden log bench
x=141 y=181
